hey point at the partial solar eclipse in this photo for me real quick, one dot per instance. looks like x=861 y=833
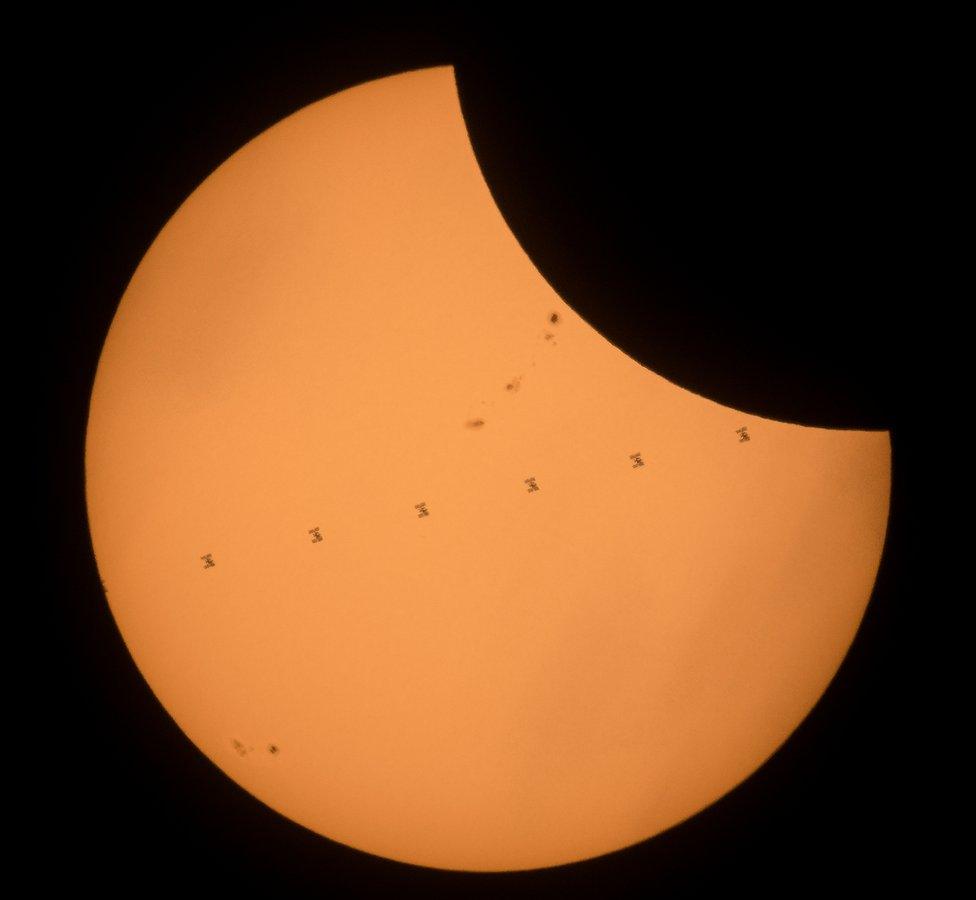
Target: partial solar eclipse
x=414 y=554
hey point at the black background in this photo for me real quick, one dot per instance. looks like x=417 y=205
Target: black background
x=732 y=203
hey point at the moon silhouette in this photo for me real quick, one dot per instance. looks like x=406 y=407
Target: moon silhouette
x=414 y=554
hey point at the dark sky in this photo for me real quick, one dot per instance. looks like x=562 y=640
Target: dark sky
x=735 y=206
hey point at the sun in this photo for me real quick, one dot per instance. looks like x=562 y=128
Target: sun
x=415 y=555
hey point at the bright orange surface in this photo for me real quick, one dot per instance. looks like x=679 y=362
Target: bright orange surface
x=520 y=678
